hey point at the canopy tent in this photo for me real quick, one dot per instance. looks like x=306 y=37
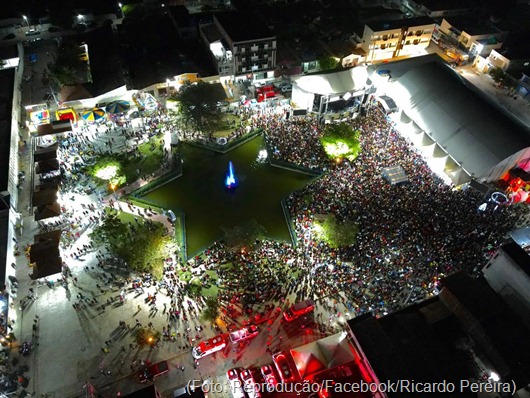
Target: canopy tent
x=472 y=130
x=67 y=114
x=44 y=196
x=40 y=250
x=46 y=266
x=48 y=211
x=117 y=107
x=41 y=116
x=52 y=236
x=333 y=83
x=73 y=93
x=45 y=153
x=55 y=127
x=322 y=354
x=45 y=166
x=93 y=115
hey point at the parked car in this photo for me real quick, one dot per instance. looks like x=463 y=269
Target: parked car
x=236 y=385
x=383 y=72
x=298 y=309
x=283 y=368
x=250 y=385
x=32 y=32
x=267 y=371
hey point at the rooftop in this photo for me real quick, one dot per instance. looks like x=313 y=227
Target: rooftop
x=440 y=5
x=243 y=26
x=378 y=26
x=516 y=47
x=472 y=26
x=507 y=347
x=7 y=81
x=420 y=342
x=105 y=65
x=212 y=33
x=519 y=255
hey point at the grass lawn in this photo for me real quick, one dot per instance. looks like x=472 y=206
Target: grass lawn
x=149 y=163
x=213 y=290
x=226 y=126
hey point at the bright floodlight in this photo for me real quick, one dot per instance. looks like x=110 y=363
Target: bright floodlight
x=80 y=16
x=494 y=376
x=106 y=173
x=23 y=16
x=346 y=96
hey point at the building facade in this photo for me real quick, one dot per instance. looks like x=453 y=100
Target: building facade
x=402 y=38
x=240 y=46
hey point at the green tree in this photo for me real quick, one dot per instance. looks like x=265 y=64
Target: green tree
x=144 y=249
x=497 y=74
x=146 y=336
x=61 y=13
x=335 y=233
x=108 y=170
x=340 y=140
x=328 y=63
x=198 y=105
x=69 y=68
x=211 y=310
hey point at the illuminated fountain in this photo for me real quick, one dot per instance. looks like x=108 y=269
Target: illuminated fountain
x=230 y=181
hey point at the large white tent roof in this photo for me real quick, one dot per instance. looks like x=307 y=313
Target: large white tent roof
x=462 y=122
x=333 y=83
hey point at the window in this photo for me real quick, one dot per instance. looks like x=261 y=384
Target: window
x=416 y=41
x=385 y=37
x=383 y=46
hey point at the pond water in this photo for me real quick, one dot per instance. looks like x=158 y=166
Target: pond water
x=208 y=205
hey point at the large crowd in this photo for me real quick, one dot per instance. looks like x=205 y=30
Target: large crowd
x=409 y=235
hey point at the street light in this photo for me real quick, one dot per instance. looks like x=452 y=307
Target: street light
x=120 y=5
x=80 y=17
x=113 y=187
x=26 y=19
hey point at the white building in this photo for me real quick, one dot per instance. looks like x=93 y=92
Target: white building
x=400 y=38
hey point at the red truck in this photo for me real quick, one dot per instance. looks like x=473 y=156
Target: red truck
x=151 y=372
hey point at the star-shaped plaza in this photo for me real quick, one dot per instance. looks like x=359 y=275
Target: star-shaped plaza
x=209 y=206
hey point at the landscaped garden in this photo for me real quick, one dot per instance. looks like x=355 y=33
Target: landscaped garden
x=143 y=245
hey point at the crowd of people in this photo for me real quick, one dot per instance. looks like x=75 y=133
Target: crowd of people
x=409 y=235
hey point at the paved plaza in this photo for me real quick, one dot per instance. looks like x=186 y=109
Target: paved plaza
x=82 y=331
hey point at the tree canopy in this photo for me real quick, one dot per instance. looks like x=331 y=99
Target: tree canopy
x=341 y=141
x=211 y=310
x=328 y=63
x=143 y=248
x=69 y=68
x=198 y=105
x=336 y=234
x=146 y=336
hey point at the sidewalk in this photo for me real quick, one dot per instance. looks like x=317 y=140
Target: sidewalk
x=513 y=104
